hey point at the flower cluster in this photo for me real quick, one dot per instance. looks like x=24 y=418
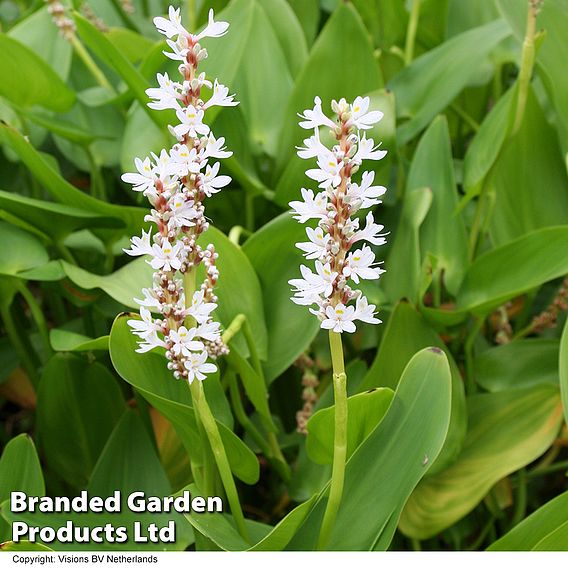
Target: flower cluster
x=59 y=16
x=176 y=184
x=330 y=244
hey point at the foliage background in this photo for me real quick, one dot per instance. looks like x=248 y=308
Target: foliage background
x=477 y=134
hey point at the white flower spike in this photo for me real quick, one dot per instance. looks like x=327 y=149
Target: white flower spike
x=330 y=243
x=176 y=183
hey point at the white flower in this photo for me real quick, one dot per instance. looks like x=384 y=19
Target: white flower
x=150 y=300
x=366 y=193
x=197 y=366
x=313 y=147
x=329 y=171
x=191 y=123
x=215 y=148
x=360 y=265
x=311 y=208
x=311 y=286
x=339 y=318
x=167 y=256
x=147 y=329
x=144 y=179
x=182 y=212
x=211 y=182
x=220 y=97
x=140 y=245
x=170 y=26
x=183 y=341
x=213 y=28
x=360 y=117
x=371 y=232
x=180 y=49
x=166 y=96
x=184 y=160
x=200 y=310
x=210 y=331
x=365 y=312
x=316 y=248
x=366 y=150
x=314 y=118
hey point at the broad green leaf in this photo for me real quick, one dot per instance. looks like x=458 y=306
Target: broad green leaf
x=132 y=45
x=518 y=364
x=308 y=14
x=434 y=79
x=487 y=143
x=39 y=33
x=289 y=32
x=129 y=463
x=64 y=340
x=519 y=175
x=402 y=279
x=405 y=334
x=23 y=546
x=221 y=530
x=396 y=455
x=149 y=375
x=21 y=251
x=65 y=129
x=328 y=60
x=563 y=369
x=513 y=269
x=62 y=190
x=365 y=412
x=54 y=219
x=20 y=470
x=545 y=529
x=80 y=403
x=442 y=232
x=290 y=328
x=27 y=80
x=463 y=16
x=507 y=431
x=114 y=58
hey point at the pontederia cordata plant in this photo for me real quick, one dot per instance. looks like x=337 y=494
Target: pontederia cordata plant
x=335 y=246
x=176 y=183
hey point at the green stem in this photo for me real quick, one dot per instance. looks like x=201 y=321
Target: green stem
x=214 y=436
x=411 y=32
x=65 y=252
x=470 y=384
x=249 y=211
x=339 y=442
x=539 y=471
x=19 y=346
x=255 y=359
x=125 y=17
x=527 y=64
x=521 y=501
x=234 y=328
x=38 y=317
x=90 y=63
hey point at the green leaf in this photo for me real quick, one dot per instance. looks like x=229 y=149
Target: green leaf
x=563 y=369
x=513 y=269
x=80 y=403
x=147 y=372
x=63 y=340
x=545 y=529
x=221 y=530
x=53 y=219
x=20 y=470
x=507 y=431
x=442 y=233
x=308 y=14
x=434 y=79
x=402 y=279
x=328 y=60
x=519 y=204
x=405 y=334
x=290 y=328
x=63 y=128
x=365 y=412
x=401 y=448
x=23 y=546
x=289 y=32
x=518 y=364
x=63 y=191
x=21 y=251
x=27 y=80
x=39 y=33
x=104 y=49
